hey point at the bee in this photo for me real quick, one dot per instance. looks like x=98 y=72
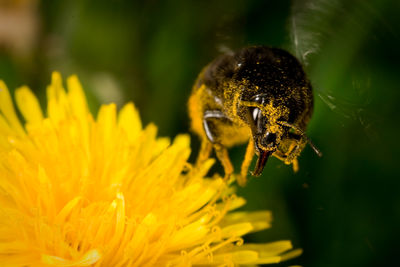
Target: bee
x=259 y=95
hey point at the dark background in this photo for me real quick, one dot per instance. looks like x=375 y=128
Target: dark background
x=343 y=209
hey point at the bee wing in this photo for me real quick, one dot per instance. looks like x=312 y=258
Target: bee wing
x=309 y=25
x=327 y=33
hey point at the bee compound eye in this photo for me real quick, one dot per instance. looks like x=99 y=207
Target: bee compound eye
x=256 y=113
x=269 y=138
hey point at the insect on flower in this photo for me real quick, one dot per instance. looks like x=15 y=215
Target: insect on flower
x=259 y=95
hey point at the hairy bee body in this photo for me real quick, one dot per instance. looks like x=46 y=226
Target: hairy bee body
x=259 y=95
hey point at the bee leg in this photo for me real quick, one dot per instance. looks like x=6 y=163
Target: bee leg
x=294 y=152
x=242 y=178
x=279 y=155
x=295 y=165
x=205 y=151
x=223 y=156
x=220 y=150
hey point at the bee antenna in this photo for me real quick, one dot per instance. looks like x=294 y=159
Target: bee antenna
x=316 y=150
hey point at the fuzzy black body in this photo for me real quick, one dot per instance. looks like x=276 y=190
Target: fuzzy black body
x=262 y=70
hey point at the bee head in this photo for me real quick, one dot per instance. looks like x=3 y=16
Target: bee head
x=268 y=124
x=267 y=132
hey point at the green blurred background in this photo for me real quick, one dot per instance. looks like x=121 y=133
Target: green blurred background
x=342 y=209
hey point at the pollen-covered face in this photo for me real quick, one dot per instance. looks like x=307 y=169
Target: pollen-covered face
x=267 y=132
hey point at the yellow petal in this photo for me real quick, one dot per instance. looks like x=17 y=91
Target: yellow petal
x=269 y=249
x=66 y=210
x=57 y=101
x=77 y=98
x=120 y=221
x=236 y=229
x=89 y=258
x=5 y=131
x=79 y=106
x=260 y=220
x=28 y=104
x=238 y=257
x=129 y=121
x=106 y=119
x=7 y=108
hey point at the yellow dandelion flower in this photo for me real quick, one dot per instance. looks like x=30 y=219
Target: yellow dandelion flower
x=80 y=191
